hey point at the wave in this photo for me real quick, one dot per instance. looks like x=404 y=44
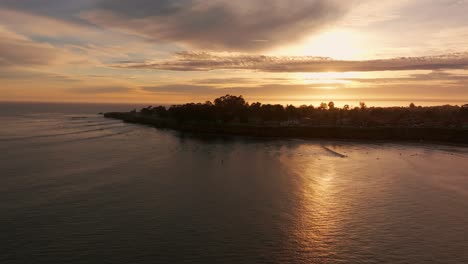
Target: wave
x=59 y=134
x=334 y=152
x=94 y=124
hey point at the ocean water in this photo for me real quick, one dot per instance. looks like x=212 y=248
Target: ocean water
x=78 y=188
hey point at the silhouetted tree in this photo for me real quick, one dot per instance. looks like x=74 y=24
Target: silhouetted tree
x=291 y=112
x=323 y=106
x=363 y=105
x=230 y=108
x=160 y=111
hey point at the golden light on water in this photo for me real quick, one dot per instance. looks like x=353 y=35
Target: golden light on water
x=320 y=208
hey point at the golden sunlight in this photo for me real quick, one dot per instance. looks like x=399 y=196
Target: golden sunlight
x=338 y=44
x=325 y=77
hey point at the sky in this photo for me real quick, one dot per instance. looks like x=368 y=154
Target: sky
x=386 y=52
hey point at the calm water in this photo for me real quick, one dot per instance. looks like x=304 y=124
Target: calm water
x=78 y=188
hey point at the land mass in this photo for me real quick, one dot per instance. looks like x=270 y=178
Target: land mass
x=231 y=115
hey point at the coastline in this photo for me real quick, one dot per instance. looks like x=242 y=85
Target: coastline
x=408 y=134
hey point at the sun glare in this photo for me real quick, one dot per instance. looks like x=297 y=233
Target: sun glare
x=337 y=44
x=328 y=78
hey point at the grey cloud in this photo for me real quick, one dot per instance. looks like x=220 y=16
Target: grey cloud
x=219 y=25
x=187 y=61
x=54 y=8
x=144 y=8
x=33 y=5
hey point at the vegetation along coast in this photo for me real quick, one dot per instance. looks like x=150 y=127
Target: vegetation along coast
x=232 y=115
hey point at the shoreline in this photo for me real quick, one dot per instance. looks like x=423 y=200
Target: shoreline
x=407 y=134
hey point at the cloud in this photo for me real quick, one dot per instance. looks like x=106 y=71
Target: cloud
x=368 y=12
x=40 y=25
x=241 y=25
x=431 y=86
x=189 y=61
x=262 y=89
x=180 y=88
x=304 y=90
x=322 y=92
x=17 y=50
x=221 y=81
x=83 y=42
x=440 y=76
x=9 y=74
x=99 y=90
x=22 y=53
x=55 y=8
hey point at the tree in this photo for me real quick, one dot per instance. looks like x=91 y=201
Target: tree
x=230 y=102
x=323 y=106
x=234 y=108
x=160 y=111
x=254 y=109
x=306 y=111
x=147 y=110
x=412 y=105
x=291 y=112
x=229 y=107
x=273 y=112
x=362 y=105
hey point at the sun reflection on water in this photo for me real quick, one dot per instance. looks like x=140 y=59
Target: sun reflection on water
x=319 y=208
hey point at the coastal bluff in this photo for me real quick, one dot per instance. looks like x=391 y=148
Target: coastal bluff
x=416 y=134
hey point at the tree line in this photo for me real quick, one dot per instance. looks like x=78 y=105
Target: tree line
x=234 y=109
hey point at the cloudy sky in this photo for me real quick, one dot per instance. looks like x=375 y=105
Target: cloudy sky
x=297 y=51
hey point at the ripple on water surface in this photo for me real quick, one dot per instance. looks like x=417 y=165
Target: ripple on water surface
x=84 y=189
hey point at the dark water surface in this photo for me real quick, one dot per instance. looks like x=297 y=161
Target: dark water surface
x=78 y=188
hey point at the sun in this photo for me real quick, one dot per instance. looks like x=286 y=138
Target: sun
x=340 y=44
x=337 y=44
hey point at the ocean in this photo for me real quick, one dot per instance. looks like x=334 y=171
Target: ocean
x=78 y=188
